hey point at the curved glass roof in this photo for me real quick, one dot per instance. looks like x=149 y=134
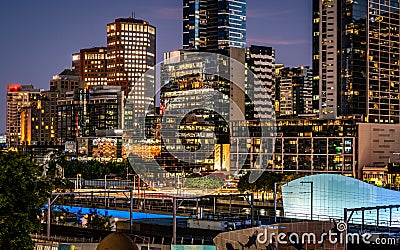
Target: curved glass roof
x=332 y=193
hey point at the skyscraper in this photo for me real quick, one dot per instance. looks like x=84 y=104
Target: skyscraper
x=194 y=24
x=356 y=59
x=294 y=87
x=261 y=61
x=200 y=85
x=131 y=50
x=214 y=24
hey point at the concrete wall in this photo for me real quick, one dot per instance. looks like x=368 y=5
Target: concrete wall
x=377 y=143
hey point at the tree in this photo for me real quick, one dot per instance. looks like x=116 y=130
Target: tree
x=291 y=177
x=244 y=184
x=97 y=221
x=94 y=169
x=266 y=181
x=23 y=192
x=208 y=182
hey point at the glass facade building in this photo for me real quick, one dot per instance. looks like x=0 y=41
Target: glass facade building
x=195 y=105
x=214 y=25
x=194 y=24
x=356 y=59
x=307 y=146
x=331 y=194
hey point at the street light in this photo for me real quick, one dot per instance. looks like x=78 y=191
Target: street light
x=105 y=189
x=312 y=190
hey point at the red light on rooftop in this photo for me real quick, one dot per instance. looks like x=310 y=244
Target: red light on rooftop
x=14 y=87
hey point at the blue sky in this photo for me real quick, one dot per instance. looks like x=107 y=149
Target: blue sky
x=38 y=37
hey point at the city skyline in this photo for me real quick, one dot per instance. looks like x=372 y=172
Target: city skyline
x=33 y=56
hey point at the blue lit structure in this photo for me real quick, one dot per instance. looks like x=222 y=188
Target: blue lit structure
x=121 y=214
x=332 y=193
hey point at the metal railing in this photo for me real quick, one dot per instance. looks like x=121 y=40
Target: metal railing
x=64 y=239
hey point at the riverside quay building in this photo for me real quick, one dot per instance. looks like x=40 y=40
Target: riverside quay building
x=308 y=146
x=315 y=146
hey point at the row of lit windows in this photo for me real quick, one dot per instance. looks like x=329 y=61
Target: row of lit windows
x=141 y=44
x=132 y=27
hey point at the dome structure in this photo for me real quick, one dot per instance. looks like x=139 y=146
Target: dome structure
x=117 y=241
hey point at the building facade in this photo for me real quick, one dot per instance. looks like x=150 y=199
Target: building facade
x=131 y=52
x=260 y=60
x=356 y=59
x=295 y=91
x=214 y=25
x=60 y=85
x=84 y=112
x=20 y=99
x=91 y=65
x=301 y=145
x=378 y=145
x=196 y=85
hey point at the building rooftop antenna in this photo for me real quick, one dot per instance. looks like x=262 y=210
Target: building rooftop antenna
x=133 y=14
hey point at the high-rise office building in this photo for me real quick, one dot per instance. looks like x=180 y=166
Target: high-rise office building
x=208 y=88
x=356 y=59
x=295 y=90
x=83 y=112
x=214 y=25
x=260 y=60
x=20 y=98
x=194 y=24
x=72 y=115
x=105 y=109
x=91 y=65
x=199 y=85
x=131 y=52
x=60 y=85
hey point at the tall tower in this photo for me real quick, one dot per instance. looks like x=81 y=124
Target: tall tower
x=131 y=50
x=214 y=24
x=326 y=45
x=261 y=61
x=356 y=59
x=194 y=24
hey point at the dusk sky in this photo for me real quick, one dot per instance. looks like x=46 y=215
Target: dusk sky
x=38 y=37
